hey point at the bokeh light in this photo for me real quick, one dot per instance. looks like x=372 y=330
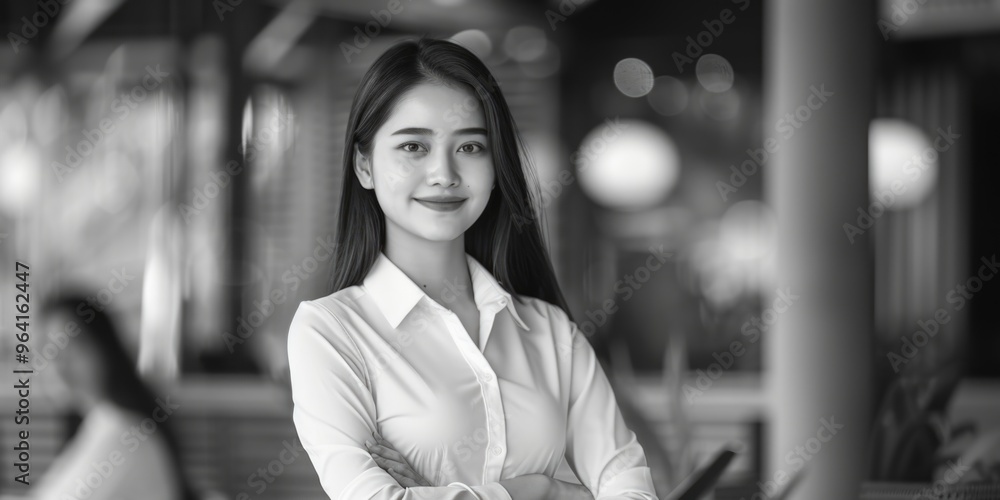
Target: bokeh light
x=544 y=66
x=714 y=73
x=747 y=230
x=477 y=41
x=901 y=161
x=628 y=166
x=20 y=169
x=633 y=77
x=525 y=43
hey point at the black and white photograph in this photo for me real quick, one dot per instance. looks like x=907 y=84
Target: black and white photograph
x=499 y=249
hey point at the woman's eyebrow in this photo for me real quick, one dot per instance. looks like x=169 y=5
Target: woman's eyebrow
x=427 y=131
x=413 y=131
x=471 y=131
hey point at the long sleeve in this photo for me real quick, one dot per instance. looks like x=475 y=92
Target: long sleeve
x=334 y=413
x=600 y=449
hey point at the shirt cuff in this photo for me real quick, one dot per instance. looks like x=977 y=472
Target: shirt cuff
x=492 y=491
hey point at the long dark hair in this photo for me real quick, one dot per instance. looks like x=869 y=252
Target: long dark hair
x=120 y=382
x=506 y=238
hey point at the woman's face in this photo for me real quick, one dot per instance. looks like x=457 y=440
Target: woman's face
x=430 y=166
x=79 y=364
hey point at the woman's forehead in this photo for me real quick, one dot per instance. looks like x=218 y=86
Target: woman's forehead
x=437 y=107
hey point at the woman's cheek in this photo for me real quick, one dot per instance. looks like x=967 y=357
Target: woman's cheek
x=405 y=165
x=480 y=173
x=396 y=175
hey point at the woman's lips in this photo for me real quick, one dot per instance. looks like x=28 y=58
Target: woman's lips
x=441 y=206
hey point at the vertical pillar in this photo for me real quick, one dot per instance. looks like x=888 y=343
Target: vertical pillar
x=819 y=78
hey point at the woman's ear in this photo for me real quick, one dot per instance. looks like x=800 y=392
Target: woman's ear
x=363 y=169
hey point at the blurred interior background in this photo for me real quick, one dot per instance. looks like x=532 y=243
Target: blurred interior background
x=183 y=159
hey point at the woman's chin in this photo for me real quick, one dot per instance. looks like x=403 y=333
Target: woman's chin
x=434 y=229
x=440 y=231
x=442 y=236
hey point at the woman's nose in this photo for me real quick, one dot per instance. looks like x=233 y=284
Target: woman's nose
x=442 y=171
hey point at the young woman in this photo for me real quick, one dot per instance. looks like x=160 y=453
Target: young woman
x=116 y=452
x=445 y=363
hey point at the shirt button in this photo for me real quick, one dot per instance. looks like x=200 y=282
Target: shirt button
x=497 y=450
x=503 y=302
x=487 y=377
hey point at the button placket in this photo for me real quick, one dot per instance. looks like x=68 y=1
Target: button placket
x=495 y=428
x=497 y=433
x=498 y=430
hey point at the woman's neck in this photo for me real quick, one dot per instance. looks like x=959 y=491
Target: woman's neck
x=439 y=268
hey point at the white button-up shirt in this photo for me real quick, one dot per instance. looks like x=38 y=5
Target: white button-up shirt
x=383 y=356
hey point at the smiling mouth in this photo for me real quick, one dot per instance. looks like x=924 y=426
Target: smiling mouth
x=441 y=205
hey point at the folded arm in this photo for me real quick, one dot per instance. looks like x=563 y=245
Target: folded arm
x=334 y=415
x=601 y=450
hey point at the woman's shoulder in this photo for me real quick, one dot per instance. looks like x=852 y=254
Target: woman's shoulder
x=327 y=328
x=334 y=305
x=330 y=316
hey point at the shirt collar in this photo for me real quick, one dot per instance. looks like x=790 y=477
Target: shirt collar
x=396 y=294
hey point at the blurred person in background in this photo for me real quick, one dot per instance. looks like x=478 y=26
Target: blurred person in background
x=419 y=376
x=124 y=447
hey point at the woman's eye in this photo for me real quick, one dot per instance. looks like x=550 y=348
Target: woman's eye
x=471 y=148
x=412 y=147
